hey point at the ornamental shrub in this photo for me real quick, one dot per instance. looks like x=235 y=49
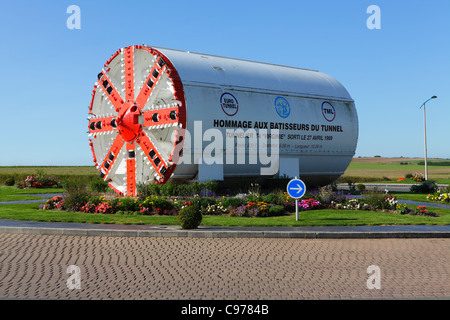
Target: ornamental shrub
x=128 y=204
x=276 y=211
x=190 y=217
x=273 y=198
x=240 y=211
x=424 y=187
x=76 y=195
x=10 y=181
x=203 y=202
x=98 y=185
x=234 y=202
x=360 y=187
x=162 y=204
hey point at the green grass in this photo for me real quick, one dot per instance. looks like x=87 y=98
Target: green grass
x=306 y=218
x=331 y=218
x=412 y=197
x=32 y=213
x=14 y=193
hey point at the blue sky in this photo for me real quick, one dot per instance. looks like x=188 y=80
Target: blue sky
x=48 y=71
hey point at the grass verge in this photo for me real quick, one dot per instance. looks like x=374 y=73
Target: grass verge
x=306 y=218
x=12 y=193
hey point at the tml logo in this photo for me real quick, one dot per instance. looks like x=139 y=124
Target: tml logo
x=328 y=111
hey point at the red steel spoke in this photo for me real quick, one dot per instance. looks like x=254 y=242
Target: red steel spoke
x=131 y=169
x=104 y=124
x=92 y=100
x=161 y=117
x=126 y=125
x=152 y=154
x=129 y=73
x=111 y=156
x=110 y=91
x=150 y=83
x=115 y=189
x=112 y=57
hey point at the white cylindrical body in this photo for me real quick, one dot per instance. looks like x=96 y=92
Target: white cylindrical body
x=314 y=113
x=158 y=114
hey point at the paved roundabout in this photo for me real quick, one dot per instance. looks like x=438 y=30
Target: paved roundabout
x=39 y=260
x=113 y=265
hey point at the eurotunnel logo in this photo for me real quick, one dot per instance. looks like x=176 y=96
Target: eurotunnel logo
x=282 y=107
x=328 y=111
x=229 y=104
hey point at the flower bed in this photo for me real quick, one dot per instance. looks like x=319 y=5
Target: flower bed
x=249 y=205
x=53 y=203
x=379 y=202
x=39 y=181
x=439 y=196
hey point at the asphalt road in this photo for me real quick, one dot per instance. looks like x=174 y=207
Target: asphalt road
x=390 y=187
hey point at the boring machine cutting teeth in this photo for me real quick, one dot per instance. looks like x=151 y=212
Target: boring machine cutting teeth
x=137 y=106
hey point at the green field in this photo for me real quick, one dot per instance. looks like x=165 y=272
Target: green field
x=370 y=169
x=62 y=173
x=390 y=169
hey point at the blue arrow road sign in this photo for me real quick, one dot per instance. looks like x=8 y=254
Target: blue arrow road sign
x=296 y=188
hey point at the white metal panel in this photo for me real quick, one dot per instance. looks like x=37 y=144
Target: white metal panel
x=209 y=70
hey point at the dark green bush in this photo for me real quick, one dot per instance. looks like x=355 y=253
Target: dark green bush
x=10 y=181
x=203 y=202
x=360 y=187
x=190 y=217
x=98 y=185
x=234 y=202
x=148 y=190
x=275 y=198
x=128 y=204
x=211 y=185
x=162 y=204
x=174 y=189
x=276 y=211
x=252 y=197
x=76 y=194
x=115 y=205
x=424 y=187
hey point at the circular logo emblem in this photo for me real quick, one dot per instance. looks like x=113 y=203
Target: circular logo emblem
x=328 y=111
x=229 y=104
x=282 y=107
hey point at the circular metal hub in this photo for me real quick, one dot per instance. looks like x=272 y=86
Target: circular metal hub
x=128 y=121
x=136 y=117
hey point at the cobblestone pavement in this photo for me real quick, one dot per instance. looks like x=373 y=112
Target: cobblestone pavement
x=35 y=266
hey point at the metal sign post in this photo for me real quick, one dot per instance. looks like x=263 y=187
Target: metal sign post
x=296 y=189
